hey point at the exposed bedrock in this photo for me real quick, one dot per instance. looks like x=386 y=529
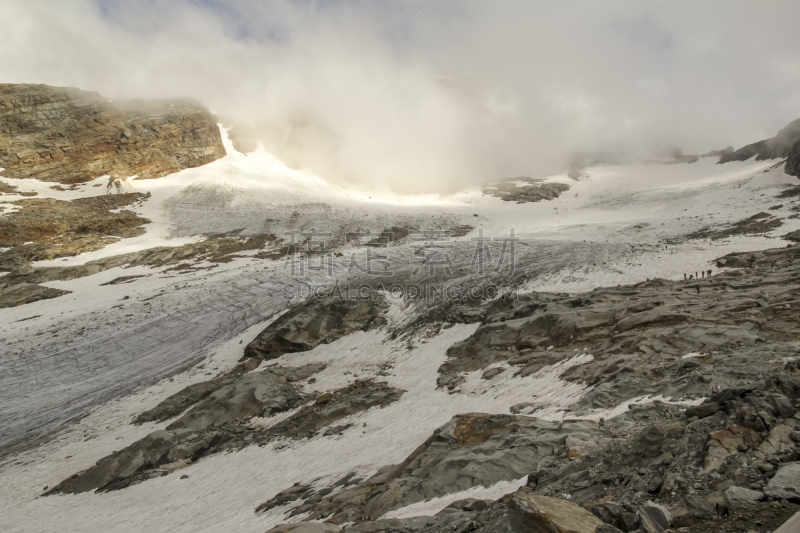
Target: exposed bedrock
x=316 y=322
x=21 y=286
x=67 y=135
x=470 y=450
x=623 y=325
x=224 y=420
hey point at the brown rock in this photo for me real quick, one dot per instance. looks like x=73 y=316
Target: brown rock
x=68 y=135
x=529 y=512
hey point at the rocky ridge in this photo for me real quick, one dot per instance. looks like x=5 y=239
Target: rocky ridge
x=786 y=144
x=67 y=135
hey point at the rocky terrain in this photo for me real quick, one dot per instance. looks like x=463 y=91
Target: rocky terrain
x=67 y=135
x=47 y=229
x=533 y=190
x=726 y=346
x=23 y=283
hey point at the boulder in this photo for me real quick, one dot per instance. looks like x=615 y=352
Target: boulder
x=691 y=510
x=785 y=485
x=721 y=445
x=790 y=526
x=532 y=513
x=654 y=517
x=741 y=495
x=703 y=410
x=783 y=406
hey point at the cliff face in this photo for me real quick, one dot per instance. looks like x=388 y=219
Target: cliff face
x=68 y=135
x=785 y=144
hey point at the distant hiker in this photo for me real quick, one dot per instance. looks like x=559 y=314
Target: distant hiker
x=698 y=289
x=684 y=276
x=691 y=277
x=709 y=272
x=703 y=274
x=696 y=276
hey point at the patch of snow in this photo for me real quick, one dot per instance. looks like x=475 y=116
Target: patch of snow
x=434 y=505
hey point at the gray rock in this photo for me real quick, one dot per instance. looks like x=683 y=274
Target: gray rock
x=654 y=517
x=783 y=406
x=305 y=527
x=148 y=451
x=471 y=450
x=740 y=494
x=315 y=322
x=607 y=528
x=392 y=525
x=255 y=394
x=785 y=484
x=492 y=372
x=790 y=526
x=703 y=410
x=795 y=436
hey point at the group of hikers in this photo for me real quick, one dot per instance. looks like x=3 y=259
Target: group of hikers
x=703 y=274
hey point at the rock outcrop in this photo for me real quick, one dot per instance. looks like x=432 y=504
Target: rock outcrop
x=45 y=228
x=21 y=286
x=470 y=450
x=223 y=421
x=786 y=144
x=534 y=190
x=316 y=322
x=67 y=135
x=620 y=326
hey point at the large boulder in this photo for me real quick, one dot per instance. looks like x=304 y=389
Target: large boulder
x=532 y=513
x=655 y=518
x=741 y=495
x=785 y=485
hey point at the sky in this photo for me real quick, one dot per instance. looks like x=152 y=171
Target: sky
x=432 y=96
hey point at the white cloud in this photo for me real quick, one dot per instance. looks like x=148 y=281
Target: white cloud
x=441 y=106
